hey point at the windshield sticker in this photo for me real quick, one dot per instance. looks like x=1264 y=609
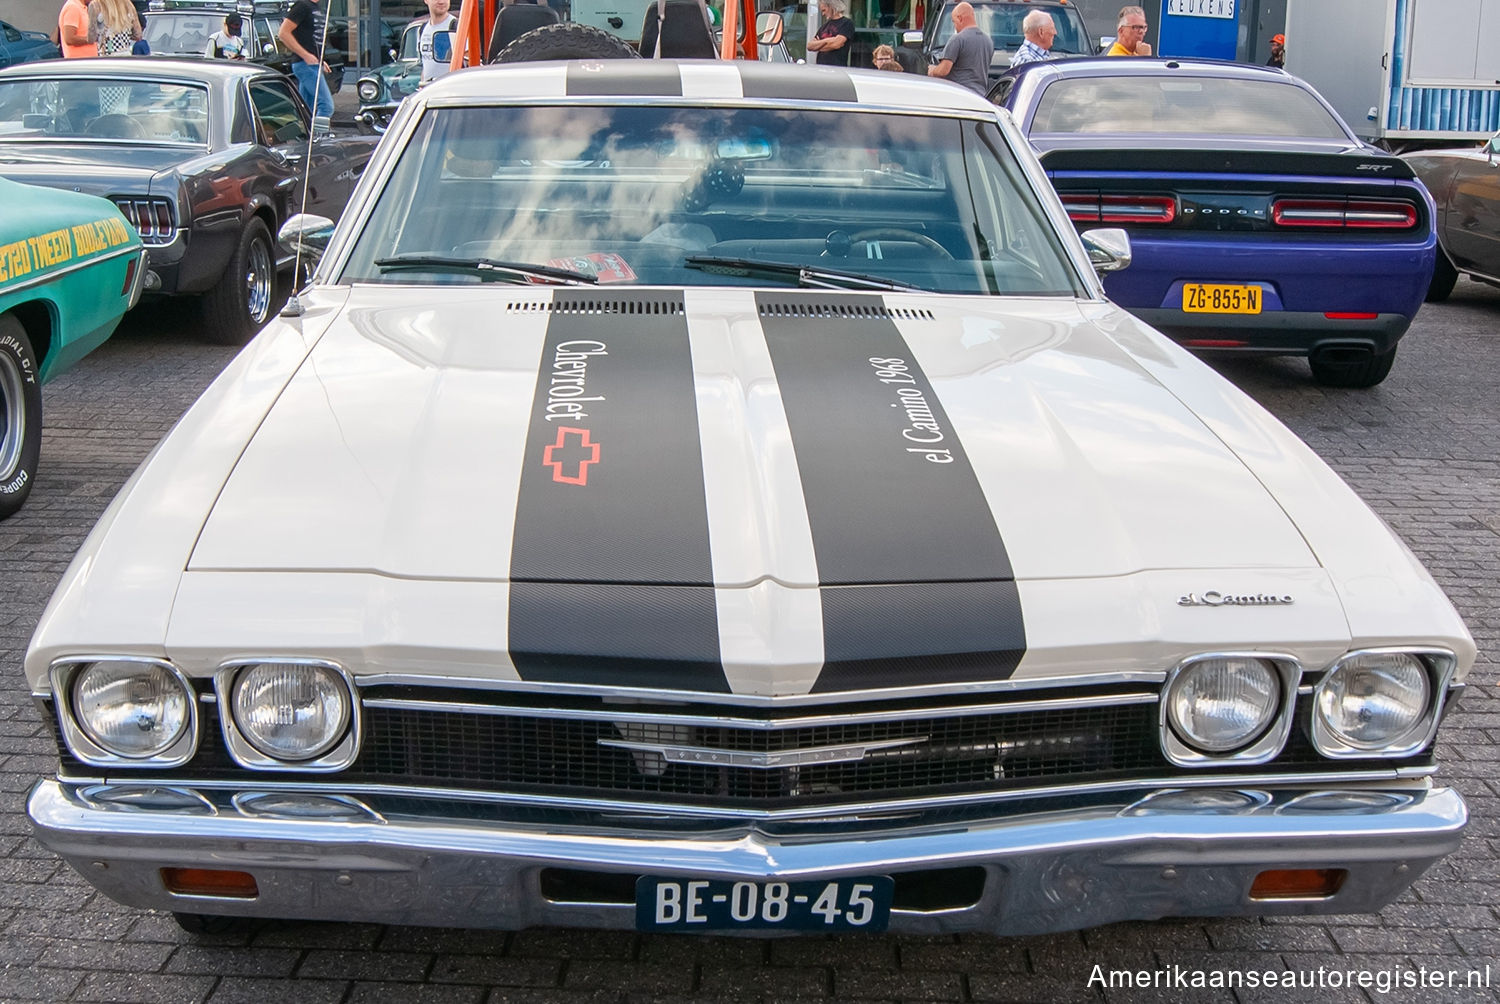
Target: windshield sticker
x=603 y=267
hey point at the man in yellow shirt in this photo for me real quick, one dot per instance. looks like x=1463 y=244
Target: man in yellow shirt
x=1130 y=34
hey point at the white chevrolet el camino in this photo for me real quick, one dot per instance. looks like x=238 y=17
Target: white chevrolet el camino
x=705 y=497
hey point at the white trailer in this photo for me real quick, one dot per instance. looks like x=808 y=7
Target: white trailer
x=1404 y=73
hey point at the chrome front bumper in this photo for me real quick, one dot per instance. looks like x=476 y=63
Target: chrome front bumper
x=1167 y=854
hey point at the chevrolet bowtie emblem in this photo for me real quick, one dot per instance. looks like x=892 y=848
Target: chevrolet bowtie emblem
x=850 y=753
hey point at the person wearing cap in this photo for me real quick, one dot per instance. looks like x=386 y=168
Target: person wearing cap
x=1278 y=52
x=229 y=43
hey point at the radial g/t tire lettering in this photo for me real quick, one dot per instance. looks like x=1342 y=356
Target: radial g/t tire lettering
x=20 y=415
x=566 y=40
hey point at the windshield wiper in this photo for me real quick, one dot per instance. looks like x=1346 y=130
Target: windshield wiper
x=819 y=278
x=489 y=268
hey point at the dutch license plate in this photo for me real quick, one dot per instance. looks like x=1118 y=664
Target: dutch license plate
x=846 y=904
x=1219 y=298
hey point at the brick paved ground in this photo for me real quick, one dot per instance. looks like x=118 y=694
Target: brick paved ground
x=1424 y=449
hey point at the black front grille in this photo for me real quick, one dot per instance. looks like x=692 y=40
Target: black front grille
x=940 y=755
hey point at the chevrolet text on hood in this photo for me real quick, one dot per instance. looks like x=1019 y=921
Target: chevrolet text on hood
x=637 y=528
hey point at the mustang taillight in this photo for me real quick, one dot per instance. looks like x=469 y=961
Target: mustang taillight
x=153 y=218
x=1369 y=214
x=1125 y=208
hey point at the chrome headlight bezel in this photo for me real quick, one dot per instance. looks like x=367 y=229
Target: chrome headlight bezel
x=247 y=755
x=63 y=673
x=1439 y=664
x=1262 y=748
x=368 y=84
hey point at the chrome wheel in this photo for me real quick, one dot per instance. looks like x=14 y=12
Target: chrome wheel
x=12 y=415
x=260 y=276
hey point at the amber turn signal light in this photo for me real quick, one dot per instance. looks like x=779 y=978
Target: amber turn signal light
x=1298 y=883
x=209 y=882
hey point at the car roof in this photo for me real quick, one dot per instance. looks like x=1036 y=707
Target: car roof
x=191 y=69
x=1150 y=66
x=702 y=81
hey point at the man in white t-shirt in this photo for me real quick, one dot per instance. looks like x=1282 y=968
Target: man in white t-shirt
x=438 y=19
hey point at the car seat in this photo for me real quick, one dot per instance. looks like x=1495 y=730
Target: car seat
x=515 y=20
x=684 y=28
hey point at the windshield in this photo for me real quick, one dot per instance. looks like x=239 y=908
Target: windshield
x=1003 y=24
x=103 y=109
x=1183 y=106
x=172 y=34
x=653 y=195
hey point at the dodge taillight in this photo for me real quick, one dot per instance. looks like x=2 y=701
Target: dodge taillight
x=1367 y=214
x=1110 y=208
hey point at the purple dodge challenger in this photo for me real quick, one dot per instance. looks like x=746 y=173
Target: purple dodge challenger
x=1258 y=221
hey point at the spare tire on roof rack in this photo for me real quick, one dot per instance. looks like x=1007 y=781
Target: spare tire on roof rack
x=566 y=40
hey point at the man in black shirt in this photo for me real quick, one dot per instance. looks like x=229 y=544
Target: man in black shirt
x=835 y=38
x=297 y=34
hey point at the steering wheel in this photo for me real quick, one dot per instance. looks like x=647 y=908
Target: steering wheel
x=900 y=234
x=115 y=126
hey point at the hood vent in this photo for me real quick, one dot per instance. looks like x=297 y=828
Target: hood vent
x=848 y=311
x=573 y=305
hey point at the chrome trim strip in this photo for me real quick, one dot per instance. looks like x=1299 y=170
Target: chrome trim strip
x=806 y=721
x=60 y=677
x=85 y=263
x=1440 y=664
x=694 y=697
x=343 y=753
x=822 y=812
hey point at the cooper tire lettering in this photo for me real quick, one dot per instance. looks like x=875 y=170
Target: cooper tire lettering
x=20 y=415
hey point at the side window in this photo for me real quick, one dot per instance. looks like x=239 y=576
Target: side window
x=279 y=113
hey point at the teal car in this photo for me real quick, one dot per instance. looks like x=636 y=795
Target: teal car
x=70 y=266
x=382 y=91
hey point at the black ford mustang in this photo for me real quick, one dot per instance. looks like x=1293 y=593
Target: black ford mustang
x=206 y=158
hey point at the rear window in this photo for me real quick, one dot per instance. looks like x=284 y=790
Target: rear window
x=1183 y=105
x=1003 y=24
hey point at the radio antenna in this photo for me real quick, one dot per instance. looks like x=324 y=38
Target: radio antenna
x=293 y=306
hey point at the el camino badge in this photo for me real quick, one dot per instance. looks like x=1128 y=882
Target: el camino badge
x=1213 y=598
x=849 y=753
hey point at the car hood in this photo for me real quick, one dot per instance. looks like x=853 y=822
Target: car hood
x=730 y=438
x=96 y=169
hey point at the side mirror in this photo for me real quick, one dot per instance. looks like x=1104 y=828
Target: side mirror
x=308 y=234
x=911 y=38
x=1109 y=249
x=769 y=27
x=442 y=46
x=393 y=54
x=269 y=49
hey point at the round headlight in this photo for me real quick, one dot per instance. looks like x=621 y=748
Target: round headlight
x=131 y=709
x=289 y=711
x=1374 y=699
x=1220 y=705
x=369 y=90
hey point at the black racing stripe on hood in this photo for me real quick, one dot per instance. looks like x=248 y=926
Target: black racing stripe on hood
x=890 y=494
x=934 y=632
x=661 y=637
x=818 y=84
x=624 y=77
x=610 y=551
